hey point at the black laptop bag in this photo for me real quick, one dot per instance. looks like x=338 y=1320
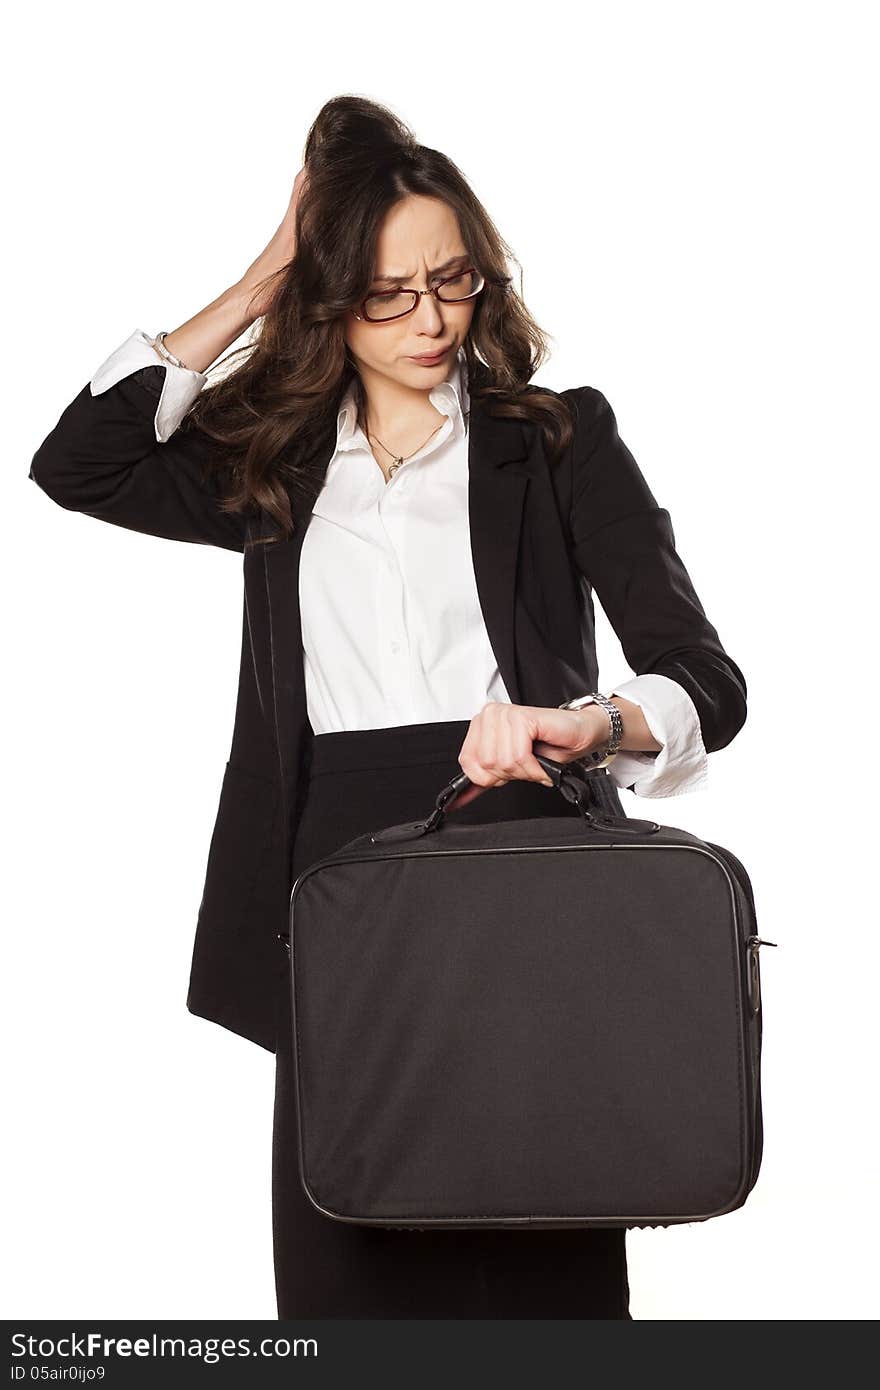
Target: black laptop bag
x=549 y=1022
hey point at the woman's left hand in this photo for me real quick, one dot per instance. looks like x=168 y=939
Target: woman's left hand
x=502 y=741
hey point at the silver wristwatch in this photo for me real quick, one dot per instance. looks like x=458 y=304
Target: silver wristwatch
x=600 y=755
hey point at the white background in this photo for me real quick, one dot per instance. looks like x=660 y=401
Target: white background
x=688 y=189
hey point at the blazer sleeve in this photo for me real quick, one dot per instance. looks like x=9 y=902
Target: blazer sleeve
x=102 y=458
x=624 y=545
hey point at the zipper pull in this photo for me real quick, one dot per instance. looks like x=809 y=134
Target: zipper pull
x=754 y=944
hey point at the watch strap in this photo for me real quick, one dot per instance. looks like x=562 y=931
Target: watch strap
x=598 y=755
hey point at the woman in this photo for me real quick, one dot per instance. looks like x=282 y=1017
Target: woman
x=420 y=531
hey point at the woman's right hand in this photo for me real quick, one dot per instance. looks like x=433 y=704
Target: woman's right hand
x=261 y=281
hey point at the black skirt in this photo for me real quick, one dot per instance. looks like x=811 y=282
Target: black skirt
x=362 y=780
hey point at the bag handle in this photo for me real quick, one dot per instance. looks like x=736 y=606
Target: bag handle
x=569 y=782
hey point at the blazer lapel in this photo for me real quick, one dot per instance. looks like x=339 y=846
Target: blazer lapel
x=498 y=473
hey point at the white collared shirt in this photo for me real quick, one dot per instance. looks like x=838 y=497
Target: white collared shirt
x=393 y=632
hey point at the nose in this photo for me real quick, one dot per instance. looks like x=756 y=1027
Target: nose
x=427 y=316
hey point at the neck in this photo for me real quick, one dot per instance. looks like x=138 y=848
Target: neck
x=397 y=414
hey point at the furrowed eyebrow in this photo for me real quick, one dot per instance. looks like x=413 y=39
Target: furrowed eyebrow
x=396 y=279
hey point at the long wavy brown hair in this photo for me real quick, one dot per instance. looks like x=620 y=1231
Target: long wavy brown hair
x=272 y=413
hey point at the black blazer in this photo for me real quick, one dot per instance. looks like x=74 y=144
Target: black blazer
x=544 y=537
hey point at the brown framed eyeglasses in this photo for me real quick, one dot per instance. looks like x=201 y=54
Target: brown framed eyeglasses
x=386 y=305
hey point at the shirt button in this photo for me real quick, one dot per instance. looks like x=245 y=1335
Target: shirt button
x=395 y=646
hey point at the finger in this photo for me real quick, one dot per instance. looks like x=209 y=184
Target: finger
x=519 y=754
x=478 y=760
x=506 y=759
x=532 y=771
x=489 y=745
x=554 y=751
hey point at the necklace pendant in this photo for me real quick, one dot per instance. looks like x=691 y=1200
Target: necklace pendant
x=395 y=465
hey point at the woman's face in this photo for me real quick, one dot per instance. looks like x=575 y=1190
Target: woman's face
x=419 y=243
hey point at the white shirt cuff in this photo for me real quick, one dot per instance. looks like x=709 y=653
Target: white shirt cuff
x=180 y=389
x=682 y=764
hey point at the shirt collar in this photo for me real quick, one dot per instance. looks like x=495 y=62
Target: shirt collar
x=449 y=396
